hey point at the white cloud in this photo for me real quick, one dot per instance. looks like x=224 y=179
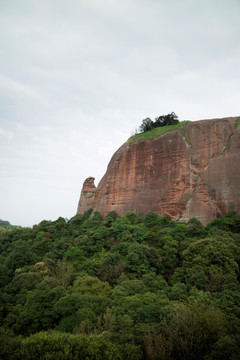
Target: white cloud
x=21 y=92
x=6 y=134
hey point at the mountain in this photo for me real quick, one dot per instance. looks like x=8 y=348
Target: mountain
x=4 y=223
x=191 y=170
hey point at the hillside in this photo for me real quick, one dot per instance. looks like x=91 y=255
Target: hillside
x=138 y=287
x=4 y=223
x=182 y=171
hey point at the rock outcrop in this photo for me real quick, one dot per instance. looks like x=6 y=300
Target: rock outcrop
x=194 y=172
x=87 y=195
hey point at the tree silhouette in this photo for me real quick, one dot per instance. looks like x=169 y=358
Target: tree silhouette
x=160 y=121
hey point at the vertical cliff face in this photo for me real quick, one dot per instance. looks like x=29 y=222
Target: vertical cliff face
x=192 y=173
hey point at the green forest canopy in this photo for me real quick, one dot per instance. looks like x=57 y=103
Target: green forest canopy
x=133 y=287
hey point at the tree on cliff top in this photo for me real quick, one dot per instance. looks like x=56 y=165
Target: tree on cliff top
x=163 y=120
x=147 y=124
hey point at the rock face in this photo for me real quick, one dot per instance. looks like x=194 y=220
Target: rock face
x=192 y=173
x=87 y=195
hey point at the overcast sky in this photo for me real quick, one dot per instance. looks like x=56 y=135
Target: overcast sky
x=77 y=77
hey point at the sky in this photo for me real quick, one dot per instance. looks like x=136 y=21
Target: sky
x=77 y=77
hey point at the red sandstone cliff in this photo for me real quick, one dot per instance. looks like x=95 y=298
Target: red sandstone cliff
x=192 y=173
x=87 y=195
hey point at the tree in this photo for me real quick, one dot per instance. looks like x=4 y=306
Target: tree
x=90 y=285
x=169 y=119
x=163 y=120
x=147 y=124
x=20 y=256
x=36 y=314
x=193 y=329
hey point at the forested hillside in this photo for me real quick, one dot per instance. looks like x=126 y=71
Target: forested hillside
x=135 y=287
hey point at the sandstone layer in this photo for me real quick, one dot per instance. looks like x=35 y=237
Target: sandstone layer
x=192 y=173
x=87 y=195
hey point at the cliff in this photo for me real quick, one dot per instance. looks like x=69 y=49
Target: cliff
x=193 y=171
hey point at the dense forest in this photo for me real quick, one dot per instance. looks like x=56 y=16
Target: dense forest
x=134 y=287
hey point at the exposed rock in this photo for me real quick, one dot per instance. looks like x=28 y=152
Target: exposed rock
x=87 y=195
x=192 y=173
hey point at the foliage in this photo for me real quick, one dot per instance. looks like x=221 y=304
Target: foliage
x=135 y=287
x=160 y=121
x=158 y=131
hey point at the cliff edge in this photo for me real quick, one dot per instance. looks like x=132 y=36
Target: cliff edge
x=193 y=171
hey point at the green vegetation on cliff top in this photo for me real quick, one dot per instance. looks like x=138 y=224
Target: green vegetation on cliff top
x=154 y=133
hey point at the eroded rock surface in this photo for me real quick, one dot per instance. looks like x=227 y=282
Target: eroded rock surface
x=192 y=173
x=87 y=195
